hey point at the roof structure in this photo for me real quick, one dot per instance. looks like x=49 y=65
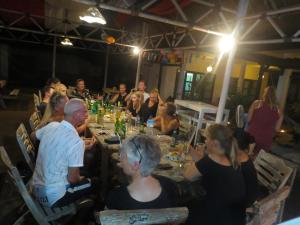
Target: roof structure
x=268 y=25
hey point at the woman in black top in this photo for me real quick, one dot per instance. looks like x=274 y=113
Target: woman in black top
x=222 y=179
x=149 y=108
x=135 y=104
x=244 y=140
x=139 y=156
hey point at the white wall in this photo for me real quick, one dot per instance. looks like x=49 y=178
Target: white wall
x=150 y=73
x=168 y=81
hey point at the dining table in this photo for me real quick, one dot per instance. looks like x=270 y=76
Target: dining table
x=174 y=155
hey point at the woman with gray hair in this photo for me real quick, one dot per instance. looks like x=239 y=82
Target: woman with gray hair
x=138 y=158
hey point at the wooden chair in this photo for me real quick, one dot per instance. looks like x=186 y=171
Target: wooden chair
x=43 y=215
x=36 y=101
x=274 y=172
x=268 y=210
x=142 y=216
x=278 y=176
x=34 y=120
x=26 y=146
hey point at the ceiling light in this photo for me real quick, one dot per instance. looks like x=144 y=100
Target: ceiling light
x=209 y=69
x=226 y=43
x=136 y=50
x=93 y=15
x=66 y=42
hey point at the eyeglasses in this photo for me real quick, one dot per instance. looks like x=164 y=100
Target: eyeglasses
x=137 y=148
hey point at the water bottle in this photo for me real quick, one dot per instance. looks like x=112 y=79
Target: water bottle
x=173 y=142
x=138 y=121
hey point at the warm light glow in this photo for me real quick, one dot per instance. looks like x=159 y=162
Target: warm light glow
x=136 y=50
x=66 y=42
x=263 y=76
x=282 y=131
x=93 y=16
x=209 y=69
x=226 y=43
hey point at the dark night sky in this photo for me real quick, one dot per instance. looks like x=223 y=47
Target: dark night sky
x=31 y=65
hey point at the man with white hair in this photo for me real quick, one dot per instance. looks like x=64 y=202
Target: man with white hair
x=56 y=179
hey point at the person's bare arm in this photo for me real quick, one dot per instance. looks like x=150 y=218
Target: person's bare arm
x=33 y=136
x=82 y=128
x=197 y=153
x=114 y=99
x=74 y=175
x=279 y=121
x=160 y=101
x=191 y=173
x=166 y=128
x=129 y=95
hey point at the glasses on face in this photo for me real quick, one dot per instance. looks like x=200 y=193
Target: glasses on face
x=137 y=146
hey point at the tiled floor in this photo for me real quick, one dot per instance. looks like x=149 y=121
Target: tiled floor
x=20 y=110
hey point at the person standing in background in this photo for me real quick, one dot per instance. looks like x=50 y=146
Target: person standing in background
x=141 y=88
x=264 y=118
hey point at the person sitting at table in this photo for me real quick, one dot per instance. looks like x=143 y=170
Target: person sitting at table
x=61 y=88
x=149 y=108
x=139 y=156
x=244 y=141
x=52 y=82
x=56 y=179
x=120 y=97
x=47 y=93
x=167 y=120
x=135 y=104
x=142 y=89
x=222 y=178
x=54 y=110
x=80 y=91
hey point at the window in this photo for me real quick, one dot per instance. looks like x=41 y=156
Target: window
x=198 y=86
x=233 y=86
x=249 y=87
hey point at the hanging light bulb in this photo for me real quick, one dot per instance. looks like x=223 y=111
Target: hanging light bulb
x=136 y=50
x=66 y=42
x=209 y=69
x=93 y=15
x=226 y=43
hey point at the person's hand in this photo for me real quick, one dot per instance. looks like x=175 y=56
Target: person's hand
x=89 y=142
x=198 y=152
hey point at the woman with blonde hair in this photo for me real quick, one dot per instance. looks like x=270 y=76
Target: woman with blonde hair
x=264 y=118
x=54 y=110
x=61 y=88
x=222 y=178
x=150 y=106
x=135 y=103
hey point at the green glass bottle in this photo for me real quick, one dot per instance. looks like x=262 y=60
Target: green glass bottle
x=117 y=126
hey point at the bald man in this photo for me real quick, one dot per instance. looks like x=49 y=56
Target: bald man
x=56 y=179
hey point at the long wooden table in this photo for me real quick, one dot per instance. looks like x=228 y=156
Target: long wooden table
x=111 y=151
